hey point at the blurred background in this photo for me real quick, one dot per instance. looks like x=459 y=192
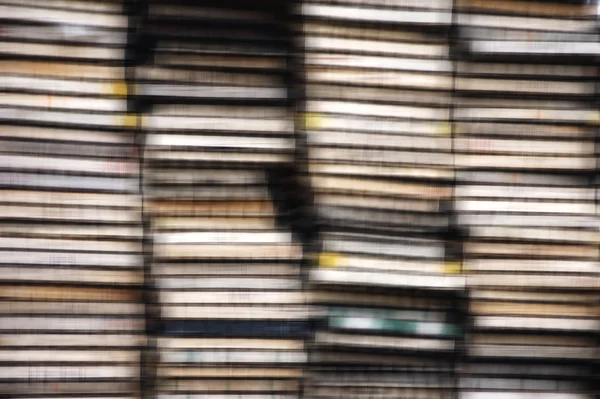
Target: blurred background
x=358 y=199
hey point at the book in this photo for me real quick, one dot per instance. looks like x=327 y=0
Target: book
x=229 y=372
x=233 y=357
x=350 y=277
x=236 y=328
x=238 y=312
x=60 y=340
x=364 y=14
x=67 y=356
x=223 y=386
x=230 y=343
x=381 y=342
x=237 y=297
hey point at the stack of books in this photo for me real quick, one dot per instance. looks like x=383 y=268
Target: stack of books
x=377 y=105
x=377 y=109
x=378 y=84
x=525 y=157
x=71 y=317
x=387 y=344
x=233 y=314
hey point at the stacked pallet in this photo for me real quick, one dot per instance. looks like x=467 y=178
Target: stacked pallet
x=233 y=314
x=525 y=155
x=378 y=86
x=71 y=318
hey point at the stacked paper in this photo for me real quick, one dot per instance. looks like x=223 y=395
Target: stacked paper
x=71 y=318
x=524 y=145
x=233 y=313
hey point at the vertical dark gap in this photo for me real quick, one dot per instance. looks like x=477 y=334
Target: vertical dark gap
x=455 y=235
x=135 y=52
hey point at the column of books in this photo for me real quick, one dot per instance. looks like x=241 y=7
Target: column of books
x=525 y=160
x=70 y=319
x=378 y=88
x=229 y=289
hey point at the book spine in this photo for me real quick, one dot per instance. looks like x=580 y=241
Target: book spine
x=236 y=328
x=393 y=326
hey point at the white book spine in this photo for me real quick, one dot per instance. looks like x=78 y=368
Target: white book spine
x=36 y=162
x=546 y=48
x=376 y=62
x=231 y=343
x=572 y=282
x=225 y=396
x=367 y=263
x=81 y=5
x=324 y=338
x=52 y=258
x=216 y=237
x=233 y=356
x=64 y=244
x=553 y=323
x=546 y=115
x=328 y=138
x=530 y=147
x=210 y=141
x=579 y=208
x=431 y=251
x=69 y=214
x=530 y=192
x=380 y=110
x=347 y=169
x=530 y=220
x=70 y=323
x=36 y=355
x=374 y=125
x=211 y=91
x=551 y=162
x=225 y=283
x=70 y=308
x=233 y=297
x=60 y=117
x=423 y=4
x=407 y=16
x=71 y=340
x=70 y=198
x=64 y=17
x=523 y=69
x=465 y=394
x=381 y=156
x=381 y=78
x=322 y=43
x=532 y=266
x=32 y=372
x=257 y=312
x=362 y=278
x=89 y=87
x=53 y=101
x=262 y=126
x=36 y=181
